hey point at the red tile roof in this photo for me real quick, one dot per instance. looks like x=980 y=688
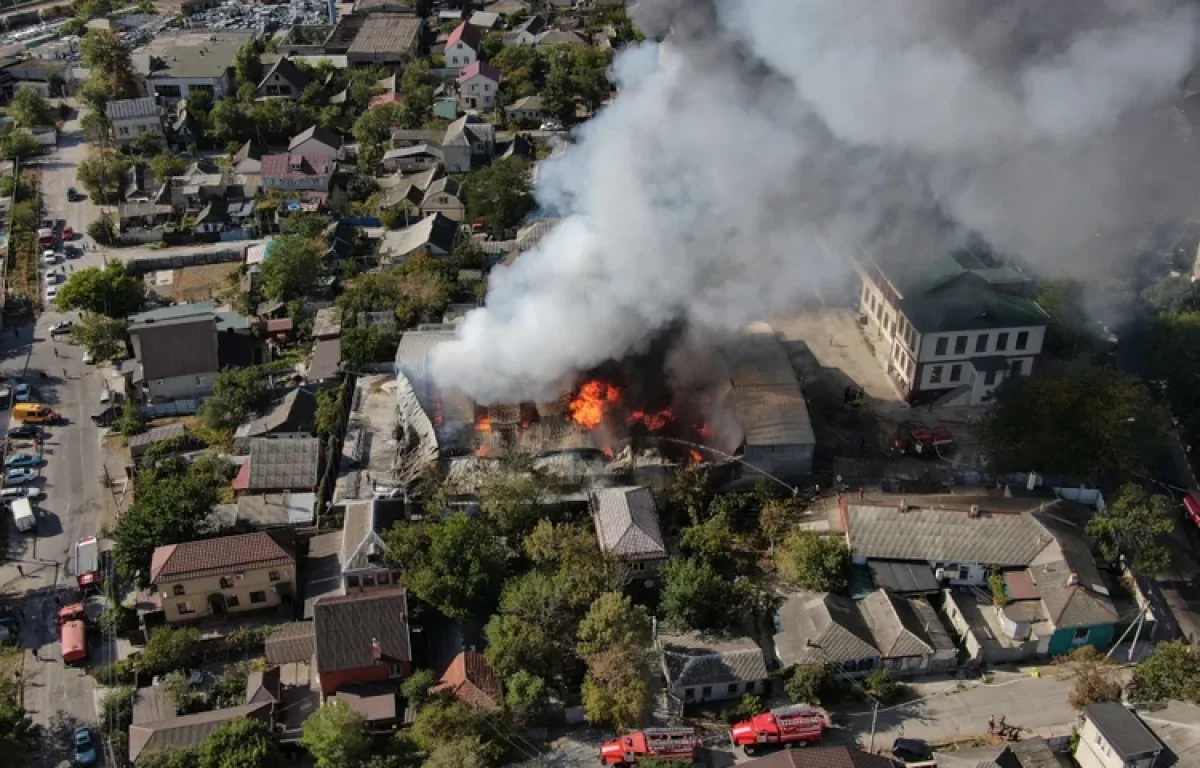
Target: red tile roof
x=466 y=33
x=471 y=679
x=223 y=555
x=478 y=68
x=289 y=166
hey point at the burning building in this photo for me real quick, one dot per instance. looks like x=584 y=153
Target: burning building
x=747 y=403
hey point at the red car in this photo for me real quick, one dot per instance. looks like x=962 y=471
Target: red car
x=68 y=233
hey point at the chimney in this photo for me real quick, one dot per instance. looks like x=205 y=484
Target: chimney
x=376 y=650
x=1032 y=481
x=903 y=506
x=974 y=511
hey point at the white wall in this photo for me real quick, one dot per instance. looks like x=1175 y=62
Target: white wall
x=990 y=340
x=976 y=574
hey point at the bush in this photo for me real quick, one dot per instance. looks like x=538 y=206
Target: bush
x=999 y=592
x=118 y=673
x=816 y=684
x=881 y=685
x=749 y=706
x=170 y=649
x=117 y=620
x=116 y=710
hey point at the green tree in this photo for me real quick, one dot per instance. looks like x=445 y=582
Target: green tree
x=512 y=502
x=330 y=408
x=108 y=59
x=168 y=758
x=558 y=96
x=1172 y=296
x=103 y=337
x=292 y=270
x=1133 y=526
x=24 y=216
x=29 y=109
x=533 y=628
x=103 y=176
x=454 y=564
x=1095 y=677
x=815 y=562
x=525 y=696
x=615 y=692
x=613 y=623
x=19 y=736
x=500 y=194
x=95 y=127
x=373 y=130
x=247 y=62
x=712 y=541
x=170 y=649
x=1172 y=673
x=19 y=145
x=695 y=597
x=691 y=492
x=336 y=736
x=237 y=393
x=461 y=752
x=416 y=688
x=227 y=122
x=165 y=511
x=240 y=743
x=1074 y=419
x=816 y=684
x=363 y=347
x=148 y=144
x=110 y=291
x=166 y=165
x=103 y=230
x=1067 y=334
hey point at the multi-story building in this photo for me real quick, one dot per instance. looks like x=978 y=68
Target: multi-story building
x=177 y=63
x=964 y=321
x=1114 y=737
x=226 y=575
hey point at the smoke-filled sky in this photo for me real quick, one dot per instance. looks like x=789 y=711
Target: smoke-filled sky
x=742 y=165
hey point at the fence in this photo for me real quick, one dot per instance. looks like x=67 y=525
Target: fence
x=173 y=408
x=224 y=256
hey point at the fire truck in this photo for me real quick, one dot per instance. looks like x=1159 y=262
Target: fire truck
x=923 y=441
x=796 y=725
x=72 y=627
x=657 y=743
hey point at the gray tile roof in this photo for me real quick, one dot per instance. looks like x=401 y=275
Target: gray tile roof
x=284 y=463
x=893 y=638
x=394 y=33
x=131 y=109
x=766 y=392
x=264 y=510
x=903 y=577
x=1066 y=578
x=183 y=347
x=291 y=644
x=1128 y=735
x=691 y=659
x=346 y=626
x=188 y=731
x=822 y=757
x=263 y=686
x=296 y=412
x=627 y=522
x=157 y=435
x=830 y=622
x=946 y=535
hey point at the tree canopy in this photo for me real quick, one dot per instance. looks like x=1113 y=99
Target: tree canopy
x=237 y=393
x=30 y=109
x=19 y=735
x=694 y=596
x=240 y=743
x=103 y=176
x=500 y=195
x=292 y=269
x=1074 y=419
x=110 y=291
x=815 y=562
x=103 y=337
x=1172 y=673
x=1133 y=526
x=336 y=736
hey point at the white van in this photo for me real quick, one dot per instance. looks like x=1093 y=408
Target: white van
x=23 y=515
x=8 y=495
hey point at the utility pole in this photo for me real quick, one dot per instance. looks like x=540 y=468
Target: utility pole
x=856 y=684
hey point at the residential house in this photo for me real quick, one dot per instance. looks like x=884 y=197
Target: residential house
x=385 y=38
x=412 y=159
x=294 y=415
x=404 y=197
x=819 y=629
x=486 y=20
x=179 y=349
x=316 y=141
x=280 y=464
x=327 y=324
x=831 y=757
x=49 y=77
x=225 y=575
x=190 y=731
x=247 y=161
x=1114 y=737
x=201 y=183
x=526 y=32
x=952 y=328
x=699 y=668
x=130 y=118
x=352 y=560
x=469 y=143
x=908 y=634
x=509 y=7
x=135 y=216
x=284 y=80
x=141 y=186
x=463 y=47
x=212 y=218
x=177 y=62
x=478 y=86
x=526 y=109
x=325 y=363
x=139 y=444
x=1059 y=598
x=558 y=37
x=408 y=137
x=434 y=234
x=264 y=511
x=626 y=521
x=444 y=196
x=471 y=680
x=1027 y=753
x=296 y=172
x=361 y=638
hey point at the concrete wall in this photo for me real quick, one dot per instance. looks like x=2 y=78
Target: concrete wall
x=1063 y=640
x=958 y=622
x=722 y=692
x=181 y=387
x=190 y=600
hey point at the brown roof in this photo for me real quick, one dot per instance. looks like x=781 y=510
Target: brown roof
x=223 y=555
x=346 y=628
x=263 y=687
x=290 y=644
x=190 y=730
x=822 y=757
x=470 y=678
x=374 y=702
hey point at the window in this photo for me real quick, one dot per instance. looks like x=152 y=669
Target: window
x=232 y=601
x=226 y=582
x=940 y=348
x=1015 y=367
x=935 y=374
x=453 y=59
x=866 y=294
x=989 y=378
x=1001 y=342
x=960 y=345
x=396 y=670
x=124 y=130
x=1081 y=635
x=689 y=693
x=981 y=342
x=706 y=691
x=184 y=608
x=351 y=581
x=1022 y=339
x=955 y=372
x=258 y=597
x=273 y=575
x=178 y=589
x=733 y=688
x=964 y=572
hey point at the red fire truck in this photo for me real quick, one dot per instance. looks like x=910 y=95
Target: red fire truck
x=1191 y=505
x=658 y=743
x=796 y=725
x=72 y=627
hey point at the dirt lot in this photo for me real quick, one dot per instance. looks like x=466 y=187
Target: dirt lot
x=198 y=283
x=829 y=353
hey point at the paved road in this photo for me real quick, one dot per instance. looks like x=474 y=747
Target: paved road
x=74 y=502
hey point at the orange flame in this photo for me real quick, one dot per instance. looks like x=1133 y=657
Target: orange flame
x=697 y=456
x=652 y=421
x=484 y=424
x=595 y=398
x=705 y=431
x=483 y=451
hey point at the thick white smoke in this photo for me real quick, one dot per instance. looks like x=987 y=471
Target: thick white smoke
x=737 y=171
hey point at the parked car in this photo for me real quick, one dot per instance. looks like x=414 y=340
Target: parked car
x=49 y=256
x=25 y=430
x=911 y=750
x=23 y=460
x=24 y=392
x=61 y=327
x=51 y=293
x=68 y=233
x=19 y=476
x=85 y=748
x=9 y=495
x=72 y=194
x=55 y=278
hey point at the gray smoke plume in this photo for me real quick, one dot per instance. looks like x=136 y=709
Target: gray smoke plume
x=764 y=143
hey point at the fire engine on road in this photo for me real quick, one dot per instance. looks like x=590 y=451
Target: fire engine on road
x=795 y=726
x=657 y=743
